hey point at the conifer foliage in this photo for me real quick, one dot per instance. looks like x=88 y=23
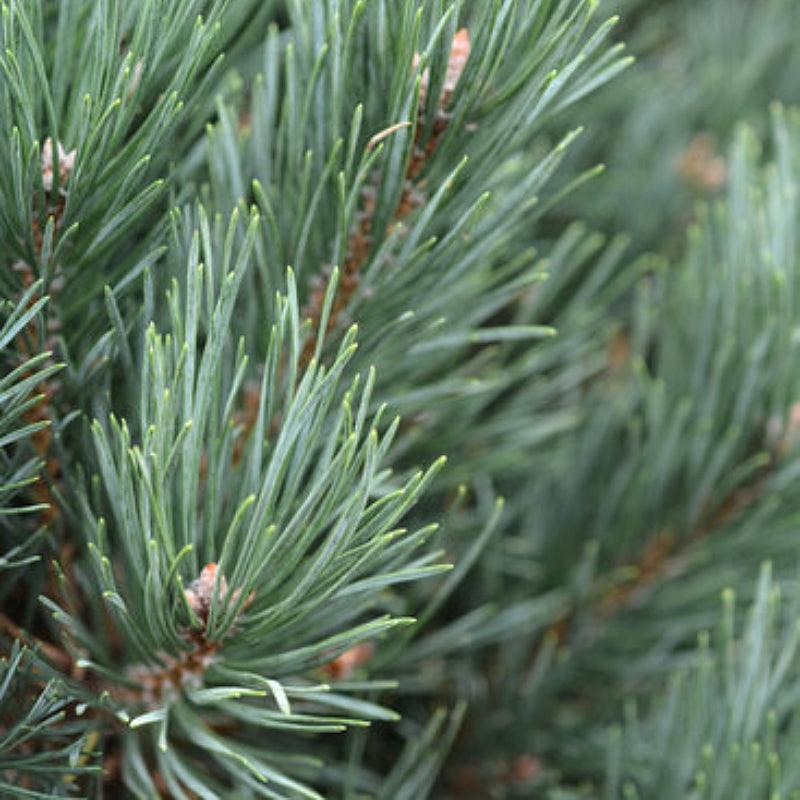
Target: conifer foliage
x=339 y=458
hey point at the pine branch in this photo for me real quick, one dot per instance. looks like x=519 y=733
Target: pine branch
x=724 y=725
x=42 y=753
x=358 y=248
x=41 y=328
x=304 y=594
x=239 y=580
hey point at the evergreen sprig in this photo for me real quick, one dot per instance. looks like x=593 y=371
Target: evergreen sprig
x=728 y=719
x=43 y=752
x=237 y=239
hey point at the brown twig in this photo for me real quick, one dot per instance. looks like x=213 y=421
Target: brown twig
x=662 y=555
x=360 y=242
x=54 y=159
x=59 y=657
x=155 y=683
x=42 y=439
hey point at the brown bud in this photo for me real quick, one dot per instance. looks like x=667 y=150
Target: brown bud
x=66 y=163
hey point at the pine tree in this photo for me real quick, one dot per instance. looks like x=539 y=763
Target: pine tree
x=265 y=266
